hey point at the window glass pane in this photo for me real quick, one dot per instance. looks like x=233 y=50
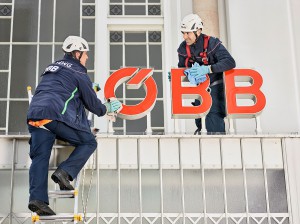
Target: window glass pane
x=157 y=114
x=236 y=202
x=5 y=30
x=5 y=1
x=46 y=28
x=154 y=1
x=193 y=198
x=136 y=93
x=91 y=75
x=23 y=70
x=214 y=191
x=155 y=57
x=171 y=191
x=5 y=10
x=88 y=10
x=135 y=37
x=135 y=55
x=118 y=122
x=158 y=80
x=90 y=62
x=256 y=191
x=25 y=21
x=45 y=58
x=115 y=1
x=150 y=191
x=277 y=191
x=116 y=36
x=119 y=91
x=116 y=53
x=129 y=191
x=134 y=1
x=3 y=114
x=135 y=126
x=3 y=85
x=67 y=25
x=108 y=191
x=88 y=1
x=154 y=36
x=115 y=9
x=88 y=30
x=135 y=10
x=17 y=119
x=4 y=57
x=154 y=10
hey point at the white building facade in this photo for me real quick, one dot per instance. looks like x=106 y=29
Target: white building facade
x=152 y=170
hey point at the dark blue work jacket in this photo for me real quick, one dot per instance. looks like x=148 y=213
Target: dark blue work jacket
x=218 y=56
x=63 y=94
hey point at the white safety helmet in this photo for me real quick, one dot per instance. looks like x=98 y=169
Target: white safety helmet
x=191 y=23
x=75 y=43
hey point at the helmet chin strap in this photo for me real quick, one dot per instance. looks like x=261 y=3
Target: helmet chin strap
x=197 y=37
x=74 y=55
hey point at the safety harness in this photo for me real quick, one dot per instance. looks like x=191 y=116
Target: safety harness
x=203 y=54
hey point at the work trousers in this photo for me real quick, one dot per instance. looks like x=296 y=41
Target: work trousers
x=41 y=143
x=214 y=120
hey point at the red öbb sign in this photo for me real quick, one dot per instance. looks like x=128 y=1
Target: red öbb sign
x=179 y=92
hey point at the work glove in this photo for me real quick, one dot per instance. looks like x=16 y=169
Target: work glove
x=113 y=106
x=96 y=87
x=169 y=76
x=197 y=73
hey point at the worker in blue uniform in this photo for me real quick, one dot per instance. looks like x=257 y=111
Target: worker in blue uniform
x=201 y=54
x=57 y=111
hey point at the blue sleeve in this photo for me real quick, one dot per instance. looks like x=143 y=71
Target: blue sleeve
x=181 y=56
x=224 y=61
x=89 y=97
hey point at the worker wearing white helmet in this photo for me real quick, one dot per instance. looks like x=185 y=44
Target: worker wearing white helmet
x=204 y=56
x=57 y=111
x=77 y=47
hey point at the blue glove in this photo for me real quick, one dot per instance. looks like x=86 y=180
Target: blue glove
x=197 y=73
x=112 y=106
x=192 y=79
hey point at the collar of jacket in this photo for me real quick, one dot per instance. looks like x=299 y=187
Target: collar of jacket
x=199 y=43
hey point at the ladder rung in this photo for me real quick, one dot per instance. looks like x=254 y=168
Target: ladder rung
x=62 y=194
x=58 y=217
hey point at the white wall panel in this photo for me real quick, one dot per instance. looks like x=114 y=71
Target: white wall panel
x=190 y=153
x=149 y=153
x=272 y=153
x=6 y=148
x=169 y=154
x=210 y=153
x=231 y=153
x=261 y=39
x=107 y=153
x=22 y=159
x=252 y=157
x=128 y=153
x=292 y=154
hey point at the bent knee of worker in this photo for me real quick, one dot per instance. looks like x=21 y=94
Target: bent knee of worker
x=91 y=144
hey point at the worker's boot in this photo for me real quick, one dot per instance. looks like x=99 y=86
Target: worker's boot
x=62 y=178
x=40 y=208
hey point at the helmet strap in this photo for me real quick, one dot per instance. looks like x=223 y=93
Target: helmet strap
x=81 y=53
x=197 y=37
x=73 y=54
